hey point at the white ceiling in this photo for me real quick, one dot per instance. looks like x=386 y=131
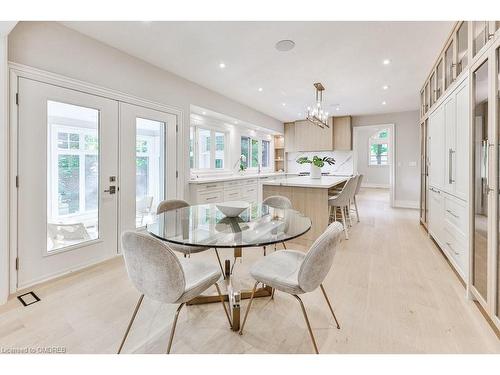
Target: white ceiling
x=345 y=56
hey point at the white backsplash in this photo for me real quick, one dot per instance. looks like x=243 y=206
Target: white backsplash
x=343 y=162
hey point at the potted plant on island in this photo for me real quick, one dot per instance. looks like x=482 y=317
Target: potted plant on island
x=316 y=164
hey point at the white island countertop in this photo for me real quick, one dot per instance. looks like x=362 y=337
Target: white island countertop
x=245 y=176
x=325 y=182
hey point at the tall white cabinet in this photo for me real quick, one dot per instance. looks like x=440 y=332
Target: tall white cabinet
x=448 y=153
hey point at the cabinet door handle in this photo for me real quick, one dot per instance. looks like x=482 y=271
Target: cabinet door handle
x=452 y=213
x=210 y=198
x=450 y=166
x=452 y=249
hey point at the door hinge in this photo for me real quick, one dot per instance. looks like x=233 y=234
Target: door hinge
x=176 y=174
x=177 y=128
x=17 y=181
x=17 y=263
x=17 y=98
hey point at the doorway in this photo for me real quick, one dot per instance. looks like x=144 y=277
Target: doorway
x=88 y=167
x=373 y=156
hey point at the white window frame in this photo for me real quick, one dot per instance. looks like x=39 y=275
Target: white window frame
x=259 y=140
x=196 y=138
x=55 y=151
x=378 y=141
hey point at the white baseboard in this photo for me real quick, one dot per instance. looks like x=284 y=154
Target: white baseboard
x=407 y=204
x=376 y=186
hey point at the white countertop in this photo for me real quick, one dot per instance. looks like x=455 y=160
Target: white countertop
x=324 y=182
x=203 y=180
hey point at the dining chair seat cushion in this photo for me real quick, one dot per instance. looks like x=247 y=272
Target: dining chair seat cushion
x=185 y=249
x=280 y=270
x=199 y=276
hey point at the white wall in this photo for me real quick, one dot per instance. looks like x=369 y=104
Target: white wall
x=373 y=175
x=55 y=48
x=407 y=153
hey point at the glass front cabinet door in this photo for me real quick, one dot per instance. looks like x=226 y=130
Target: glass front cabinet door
x=462 y=47
x=433 y=89
x=449 y=64
x=439 y=79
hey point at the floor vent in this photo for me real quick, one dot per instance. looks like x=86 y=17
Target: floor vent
x=28 y=298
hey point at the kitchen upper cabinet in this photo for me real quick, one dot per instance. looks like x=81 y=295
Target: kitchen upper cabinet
x=449 y=64
x=342 y=133
x=305 y=136
x=462 y=47
x=289 y=137
x=436 y=131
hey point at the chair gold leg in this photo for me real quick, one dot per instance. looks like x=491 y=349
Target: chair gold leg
x=329 y=305
x=130 y=323
x=220 y=264
x=272 y=293
x=264 y=248
x=248 y=307
x=356 y=207
x=284 y=246
x=344 y=224
x=172 y=332
x=223 y=305
x=308 y=324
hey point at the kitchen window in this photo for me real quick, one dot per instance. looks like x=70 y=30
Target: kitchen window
x=207 y=149
x=256 y=151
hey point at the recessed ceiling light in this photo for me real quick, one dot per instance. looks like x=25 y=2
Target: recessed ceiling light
x=385 y=87
x=260 y=89
x=222 y=65
x=299 y=114
x=386 y=62
x=283 y=104
x=285 y=45
x=235 y=121
x=384 y=103
x=203 y=113
x=338 y=108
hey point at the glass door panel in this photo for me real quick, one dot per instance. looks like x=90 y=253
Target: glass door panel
x=498 y=123
x=449 y=65
x=72 y=175
x=481 y=186
x=422 y=103
x=433 y=89
x=462 y=47
x=150 y=168
x=427 y=96
x=479 y=35
x=439 y=79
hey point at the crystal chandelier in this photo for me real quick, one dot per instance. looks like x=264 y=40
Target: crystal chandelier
x=316 y=114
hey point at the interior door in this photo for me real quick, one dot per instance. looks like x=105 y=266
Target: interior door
x=67 y=168
x=148 y=165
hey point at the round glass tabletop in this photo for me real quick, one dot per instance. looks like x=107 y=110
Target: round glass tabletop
x=205 y=226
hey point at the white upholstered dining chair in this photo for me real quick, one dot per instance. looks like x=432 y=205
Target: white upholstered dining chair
x=174 y=204
x=295 y=272
x=159 y=274
x=280 y=202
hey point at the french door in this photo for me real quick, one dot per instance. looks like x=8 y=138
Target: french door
x=89 y=167
x=67 y=168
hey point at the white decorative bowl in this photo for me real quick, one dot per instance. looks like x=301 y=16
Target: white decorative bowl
x=233 y=208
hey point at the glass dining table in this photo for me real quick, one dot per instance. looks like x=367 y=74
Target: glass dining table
x=206 y=226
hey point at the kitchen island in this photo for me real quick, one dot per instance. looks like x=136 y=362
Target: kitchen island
x=309 y=196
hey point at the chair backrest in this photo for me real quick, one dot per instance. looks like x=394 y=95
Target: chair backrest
x=342 y=199
x=353 y=187
x=358 y=186
x=153 y=267
x=319 y=259
x=172 y=204
x=277 y=201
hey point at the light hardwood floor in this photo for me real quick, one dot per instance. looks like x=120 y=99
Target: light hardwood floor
x=392 y=291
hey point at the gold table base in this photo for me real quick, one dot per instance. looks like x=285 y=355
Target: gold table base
x=233 y=297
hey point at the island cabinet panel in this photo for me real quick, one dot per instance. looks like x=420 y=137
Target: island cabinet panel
x=312 y=202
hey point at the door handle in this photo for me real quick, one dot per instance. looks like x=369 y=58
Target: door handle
x=111 y=190
x=450 y=166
